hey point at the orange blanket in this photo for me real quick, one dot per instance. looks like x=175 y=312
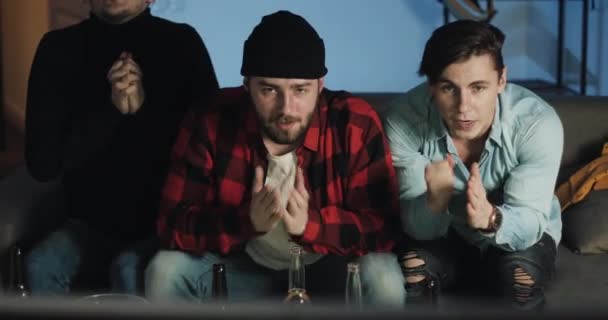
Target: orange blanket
x=593 y=176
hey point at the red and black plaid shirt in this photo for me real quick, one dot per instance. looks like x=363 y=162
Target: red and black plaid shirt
x=347 y=169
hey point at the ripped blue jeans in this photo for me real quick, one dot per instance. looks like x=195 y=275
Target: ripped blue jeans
x=517 y=278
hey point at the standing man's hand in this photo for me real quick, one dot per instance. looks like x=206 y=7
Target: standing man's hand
x=479 y=208
x=296 y=215
x=439 y=176
x=125 y=78
x=265 y=211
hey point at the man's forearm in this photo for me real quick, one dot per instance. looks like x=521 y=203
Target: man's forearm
x=419 y=222
x=437 y=202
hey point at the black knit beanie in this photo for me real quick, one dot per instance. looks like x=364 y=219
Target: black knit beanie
x=284 y=45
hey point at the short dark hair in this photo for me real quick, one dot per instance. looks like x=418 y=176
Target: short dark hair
x=458 y=41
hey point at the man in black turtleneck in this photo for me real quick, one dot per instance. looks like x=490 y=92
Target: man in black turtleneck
x=104 y=101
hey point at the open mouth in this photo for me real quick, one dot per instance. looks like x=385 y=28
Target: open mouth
x=285 y=124
x=464 y=124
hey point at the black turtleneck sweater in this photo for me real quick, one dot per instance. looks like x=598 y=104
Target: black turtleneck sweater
x=112 y=165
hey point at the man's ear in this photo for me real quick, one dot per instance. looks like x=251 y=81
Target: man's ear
x=246 y=83
x=321 y=84
x=502 y=80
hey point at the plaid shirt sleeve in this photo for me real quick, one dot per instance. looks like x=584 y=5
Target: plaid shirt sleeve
x=364 y=217
x=190 y=217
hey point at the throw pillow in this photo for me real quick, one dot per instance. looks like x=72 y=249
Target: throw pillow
x=585 y=224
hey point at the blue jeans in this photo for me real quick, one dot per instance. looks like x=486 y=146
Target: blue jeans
x=76 y=254
x=175 y=275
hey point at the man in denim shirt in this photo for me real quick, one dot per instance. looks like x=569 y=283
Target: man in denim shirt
x=477 y=161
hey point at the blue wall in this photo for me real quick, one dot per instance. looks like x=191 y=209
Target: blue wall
x=376 y=45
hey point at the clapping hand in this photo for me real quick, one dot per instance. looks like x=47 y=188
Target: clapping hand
x=479 y=208
x=296 y=215
x=265 y=210
x=439 y=177
x=125 y=79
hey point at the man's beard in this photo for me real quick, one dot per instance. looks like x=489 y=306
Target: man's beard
x=283 y=136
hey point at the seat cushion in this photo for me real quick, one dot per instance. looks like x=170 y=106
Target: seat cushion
x=585 y=229
x=580 y=283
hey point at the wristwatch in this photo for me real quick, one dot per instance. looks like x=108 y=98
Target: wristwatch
x=495 y=219
x=494 y=222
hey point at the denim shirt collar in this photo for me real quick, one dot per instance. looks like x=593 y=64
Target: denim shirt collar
x=496 y=130
x=437 y=128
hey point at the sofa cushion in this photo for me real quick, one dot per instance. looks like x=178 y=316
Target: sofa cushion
x=580 y=284
x=585 y=229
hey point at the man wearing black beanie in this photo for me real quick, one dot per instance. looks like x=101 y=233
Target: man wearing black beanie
x=305 y=166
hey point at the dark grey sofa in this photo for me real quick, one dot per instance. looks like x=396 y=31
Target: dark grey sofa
x=29 y=208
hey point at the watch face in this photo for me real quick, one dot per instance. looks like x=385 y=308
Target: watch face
x=497 y=219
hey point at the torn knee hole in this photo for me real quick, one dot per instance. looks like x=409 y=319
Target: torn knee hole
x=412 y=267
x=411 y=260
x=522 y=277
x=523 y=285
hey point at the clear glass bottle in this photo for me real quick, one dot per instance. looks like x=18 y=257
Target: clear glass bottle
x=352 y=295
x=296 y=294
x=16 y=284
x=219 y=288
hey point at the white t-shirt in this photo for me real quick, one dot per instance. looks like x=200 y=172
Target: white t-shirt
x=272 y=249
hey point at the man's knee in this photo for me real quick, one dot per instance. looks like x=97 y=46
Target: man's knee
x=164 y=268
x=382 y=280
x=125 y=271
x=126 y=260
x=37 y=262
x=420 y=285
x=56 y=252
x=134 y=259
x=175 y=274
x=47 y=272
x=413 y=267
x=524 y=286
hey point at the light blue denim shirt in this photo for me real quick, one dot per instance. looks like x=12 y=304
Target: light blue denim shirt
x=519 y=165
